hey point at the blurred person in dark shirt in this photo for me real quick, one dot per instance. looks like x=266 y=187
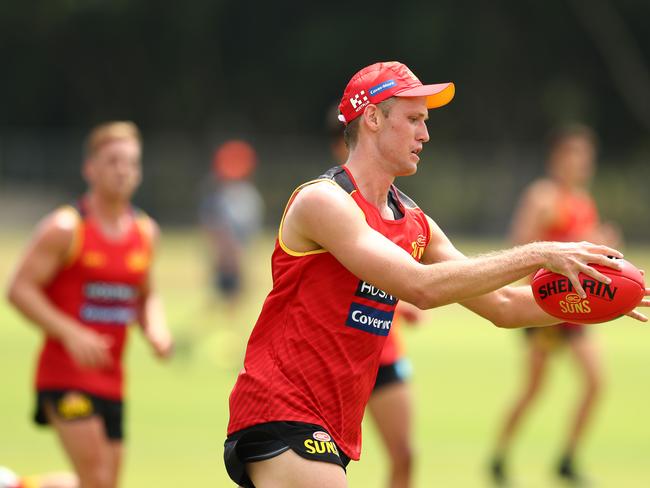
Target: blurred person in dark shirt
x=231 y=211
x=231 y=214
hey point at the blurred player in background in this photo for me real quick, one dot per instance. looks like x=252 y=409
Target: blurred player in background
x=391 y=401
x=559 y=207
x=349 y=246
x=9 y=479
x=231 y=214
x=84 y=278
x=231 y=211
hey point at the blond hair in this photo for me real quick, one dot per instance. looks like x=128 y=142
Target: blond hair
x=109 y=132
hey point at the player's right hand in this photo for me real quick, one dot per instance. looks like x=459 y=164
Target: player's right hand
x=572 y=258
x=88 y=348
x=161 y=341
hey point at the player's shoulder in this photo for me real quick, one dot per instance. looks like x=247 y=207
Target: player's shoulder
x=542 y=188
x=320 y=194
x=147 y=224
x=58 y=228
x=63 y=220
x=322 y=198
x=334 y=184
x=541 y=193
x=339 y=177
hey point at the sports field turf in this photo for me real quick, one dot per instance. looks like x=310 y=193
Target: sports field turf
x=466 y=372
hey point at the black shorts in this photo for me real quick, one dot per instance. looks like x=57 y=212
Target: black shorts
x=397 y=372
x=71 y=405
x=553 y=337
x=228 y=282
x=265 y=441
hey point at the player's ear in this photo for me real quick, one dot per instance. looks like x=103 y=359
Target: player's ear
x=371 y=117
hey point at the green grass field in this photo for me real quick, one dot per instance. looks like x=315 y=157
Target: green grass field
x=466 y=372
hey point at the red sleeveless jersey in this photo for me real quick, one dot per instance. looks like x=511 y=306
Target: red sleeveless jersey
x=100 y=287
x=576 y=217
x=392 y=350
x=314 y=352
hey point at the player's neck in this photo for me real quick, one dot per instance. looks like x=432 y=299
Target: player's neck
x=112 y=215
x=569 y=186
x=373 y=183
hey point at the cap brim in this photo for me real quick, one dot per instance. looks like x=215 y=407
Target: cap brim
x=437 y=95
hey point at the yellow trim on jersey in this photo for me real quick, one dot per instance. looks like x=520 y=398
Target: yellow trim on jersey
x=286 y=248
x=74 y=251
x=145 y=227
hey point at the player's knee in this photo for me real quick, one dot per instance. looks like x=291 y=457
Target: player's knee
x=594 y=385
x=402 y=458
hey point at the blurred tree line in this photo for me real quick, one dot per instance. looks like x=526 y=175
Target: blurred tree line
x=519 y=65
x=262 y=69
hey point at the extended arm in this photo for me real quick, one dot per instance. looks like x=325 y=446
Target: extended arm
x=509 y=307
x=45 y=255
x=151 y=314
x=324 y=216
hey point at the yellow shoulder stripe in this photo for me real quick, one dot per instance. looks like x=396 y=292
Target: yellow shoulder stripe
x=145 y=227
x=286 y=248
x=77 y=240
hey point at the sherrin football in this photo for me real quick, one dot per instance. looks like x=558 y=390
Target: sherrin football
x=554 y=293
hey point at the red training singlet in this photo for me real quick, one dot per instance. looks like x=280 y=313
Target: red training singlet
x=314 y=352
x=576 y=217
x=392 y=350
x=100 y=287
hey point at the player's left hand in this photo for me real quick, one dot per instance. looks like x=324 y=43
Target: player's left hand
x=635 y=314
x=643 y=303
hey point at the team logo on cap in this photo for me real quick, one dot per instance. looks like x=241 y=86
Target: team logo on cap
x=359 y=100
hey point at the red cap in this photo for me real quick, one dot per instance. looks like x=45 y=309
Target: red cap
x=380 y=81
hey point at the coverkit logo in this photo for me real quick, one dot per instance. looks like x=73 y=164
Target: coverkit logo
x=370 y=318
